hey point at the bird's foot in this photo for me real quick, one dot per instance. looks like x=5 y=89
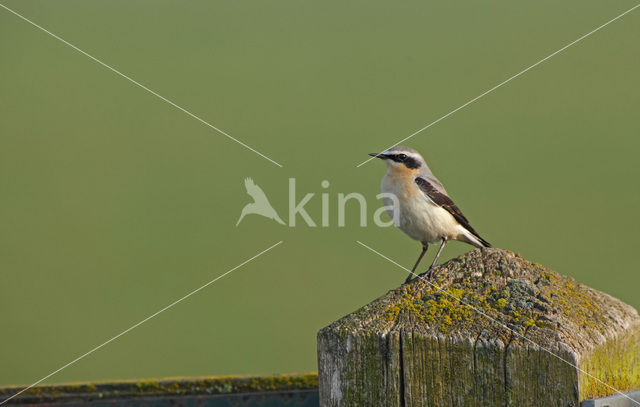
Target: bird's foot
x=410 y=278
x=424 y=276
x=427 y=274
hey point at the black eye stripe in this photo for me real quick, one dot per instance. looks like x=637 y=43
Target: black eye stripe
x=408 y=161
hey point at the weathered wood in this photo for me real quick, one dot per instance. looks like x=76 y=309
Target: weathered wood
x=494 y=330
x=298 y=390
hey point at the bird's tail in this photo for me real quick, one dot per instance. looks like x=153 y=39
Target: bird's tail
x=474 y=238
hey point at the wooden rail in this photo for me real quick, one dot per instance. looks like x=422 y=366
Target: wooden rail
x=257 y=391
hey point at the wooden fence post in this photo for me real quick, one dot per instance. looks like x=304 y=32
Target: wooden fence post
x=493 y=330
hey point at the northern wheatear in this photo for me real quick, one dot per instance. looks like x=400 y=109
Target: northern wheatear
x=426 y=213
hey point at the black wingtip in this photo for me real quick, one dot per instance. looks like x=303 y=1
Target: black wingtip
x=480 y=240
x=484 y=242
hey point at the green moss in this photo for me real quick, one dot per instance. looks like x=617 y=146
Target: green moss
x=458 y=305
x=496 y=296
x=181 y=386
x=516 y=300
x=615 y=363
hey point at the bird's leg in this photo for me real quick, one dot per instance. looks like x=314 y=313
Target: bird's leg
x=425 y=246
x=430 y=271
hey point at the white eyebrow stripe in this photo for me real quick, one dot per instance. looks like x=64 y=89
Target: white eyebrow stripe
x=415 y=156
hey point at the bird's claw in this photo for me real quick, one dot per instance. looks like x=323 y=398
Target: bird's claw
x=429 y=273
x=426 y=275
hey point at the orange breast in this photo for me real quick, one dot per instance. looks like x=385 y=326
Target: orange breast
x=403 y=180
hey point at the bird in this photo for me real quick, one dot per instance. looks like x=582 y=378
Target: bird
x=260 y=204
x=425 y=212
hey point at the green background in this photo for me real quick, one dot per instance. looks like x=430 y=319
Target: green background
x=114 y=204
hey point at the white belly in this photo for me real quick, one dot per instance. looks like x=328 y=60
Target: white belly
x=418 y=217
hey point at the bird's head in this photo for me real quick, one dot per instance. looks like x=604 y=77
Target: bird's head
x=400 y=158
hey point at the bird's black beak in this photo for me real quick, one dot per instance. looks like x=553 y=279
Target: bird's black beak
x=378 y=155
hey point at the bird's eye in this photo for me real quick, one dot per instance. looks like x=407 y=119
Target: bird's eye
x=402 y=157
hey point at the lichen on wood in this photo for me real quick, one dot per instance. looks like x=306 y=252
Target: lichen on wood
x=490 y=329
x=173 y=386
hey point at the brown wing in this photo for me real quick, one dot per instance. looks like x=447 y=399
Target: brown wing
x=445 y=202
